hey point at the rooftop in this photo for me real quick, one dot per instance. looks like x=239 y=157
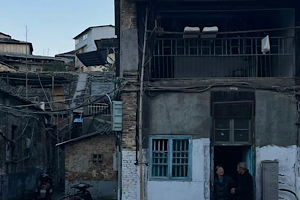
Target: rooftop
x=20 y=55
x=69 y=53
x=13 y=41
x=91 y=27
x=5 y=34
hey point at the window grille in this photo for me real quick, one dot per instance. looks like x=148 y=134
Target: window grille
x=170 y=158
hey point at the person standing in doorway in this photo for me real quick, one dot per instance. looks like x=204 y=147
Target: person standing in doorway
x=244 y=191
x=222 y=185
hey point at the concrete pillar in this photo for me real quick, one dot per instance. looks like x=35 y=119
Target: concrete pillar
x=129 y=60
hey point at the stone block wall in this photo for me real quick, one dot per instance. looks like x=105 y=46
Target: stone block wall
x=79 y=165
x=79 y=159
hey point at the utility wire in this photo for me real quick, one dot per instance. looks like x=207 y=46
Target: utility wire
x=230 y=32
x=85 y=103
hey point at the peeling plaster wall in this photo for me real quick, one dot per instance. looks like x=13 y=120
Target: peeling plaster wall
x=287 y=157
x=198 y=188
x=129 y=176
x=298 y=171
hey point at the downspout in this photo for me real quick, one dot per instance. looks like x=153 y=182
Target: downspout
x=141 y=110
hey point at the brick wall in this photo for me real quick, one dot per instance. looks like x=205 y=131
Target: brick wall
x=78 y=159
x=129 y=70
x=129 y=169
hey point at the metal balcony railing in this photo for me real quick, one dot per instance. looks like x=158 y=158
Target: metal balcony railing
x=221 y=57
x=98 y=108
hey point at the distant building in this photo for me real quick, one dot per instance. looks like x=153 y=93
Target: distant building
x=70 y=59
x=90 y=159
x=9 y=45
x=4 y=36
x=17 y=55
x=85 y=41
x=26 y=147
x=17 y=61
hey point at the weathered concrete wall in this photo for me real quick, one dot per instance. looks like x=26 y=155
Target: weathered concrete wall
x=287 y=157
x=180 y=113
x=79 y=164
x=189 y=113
x=275 y=118
x=129 y=37
x=197 y=188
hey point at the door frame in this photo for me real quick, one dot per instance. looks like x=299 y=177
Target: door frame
x=212 y=161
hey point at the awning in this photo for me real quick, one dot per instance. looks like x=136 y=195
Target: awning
x=93 y=58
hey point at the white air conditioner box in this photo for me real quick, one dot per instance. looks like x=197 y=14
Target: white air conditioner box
x=191 y=32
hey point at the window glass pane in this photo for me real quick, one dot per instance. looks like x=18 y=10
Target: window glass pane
x=180 y=159
x=241 y=136
x=221 y=123
x=241 y=123
x=222 y=136
x=160 y=157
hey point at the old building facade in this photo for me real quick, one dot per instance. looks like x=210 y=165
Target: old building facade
x=210 y=98
x=26 y=146
x=90 y=159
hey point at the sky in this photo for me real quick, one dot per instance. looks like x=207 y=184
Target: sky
x=52 y=24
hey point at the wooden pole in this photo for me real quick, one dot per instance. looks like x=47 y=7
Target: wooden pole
x=141 y=110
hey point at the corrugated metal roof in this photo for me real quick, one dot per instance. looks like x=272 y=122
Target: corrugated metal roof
x=91 y=27
x=28 y=56
x=5 y=34
x=93 y=58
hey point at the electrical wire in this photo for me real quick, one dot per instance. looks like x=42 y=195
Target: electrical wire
x=70 y=109
x=230 y=32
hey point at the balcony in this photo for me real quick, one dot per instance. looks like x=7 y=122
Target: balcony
x=98 y=108
x=221 y=57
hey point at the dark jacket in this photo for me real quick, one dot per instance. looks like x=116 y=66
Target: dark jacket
x=244 y=191
x=222 y=190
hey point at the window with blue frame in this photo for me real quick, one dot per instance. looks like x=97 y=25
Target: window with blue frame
x=170 y=157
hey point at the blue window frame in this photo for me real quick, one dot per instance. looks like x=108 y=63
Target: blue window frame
x=170 y=157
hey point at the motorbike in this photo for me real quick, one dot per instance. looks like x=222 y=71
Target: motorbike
x=44 y=189
x=82 y=193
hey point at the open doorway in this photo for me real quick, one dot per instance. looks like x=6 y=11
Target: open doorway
x=230 y=156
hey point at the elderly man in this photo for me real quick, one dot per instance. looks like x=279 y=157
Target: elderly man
x=244 y=191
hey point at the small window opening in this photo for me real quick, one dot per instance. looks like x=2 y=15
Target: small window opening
x=97 y=158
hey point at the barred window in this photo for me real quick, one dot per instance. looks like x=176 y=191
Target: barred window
x=170 y=158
